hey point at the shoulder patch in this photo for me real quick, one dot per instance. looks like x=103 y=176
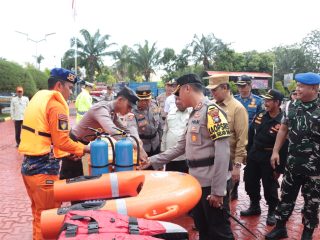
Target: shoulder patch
x=217 y=123
x=63 y=125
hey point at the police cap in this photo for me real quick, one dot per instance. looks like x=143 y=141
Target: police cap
x=273 y=94
x=64 y=75
x=243 y=80
x=308 y=78
x=144 y=92
x=186 y=79
x=129 y=94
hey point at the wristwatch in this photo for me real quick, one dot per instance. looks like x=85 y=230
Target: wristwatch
x=237 y=165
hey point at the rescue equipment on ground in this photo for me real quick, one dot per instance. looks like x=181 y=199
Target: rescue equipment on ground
x=100 y=224
x=122 y=153
x=154 y=195
x=99 y=158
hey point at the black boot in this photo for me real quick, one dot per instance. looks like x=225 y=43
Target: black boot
x=278 y=232
x=271 y=218
x=307 y=234
x=253 y=210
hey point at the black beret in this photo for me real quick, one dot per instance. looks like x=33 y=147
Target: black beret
x=129 y=94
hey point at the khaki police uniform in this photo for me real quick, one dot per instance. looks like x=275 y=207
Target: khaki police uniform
x=207 y=149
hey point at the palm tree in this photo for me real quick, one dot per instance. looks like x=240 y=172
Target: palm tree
x=123 y=58
x=39 y=60
x=205 y=48
x=91 y=51
x=146 y=59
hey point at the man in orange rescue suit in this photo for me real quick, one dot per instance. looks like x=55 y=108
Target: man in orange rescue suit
x=207 y=149
x=45 y=140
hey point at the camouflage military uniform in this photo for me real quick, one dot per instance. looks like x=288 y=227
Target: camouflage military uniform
x=303 y=164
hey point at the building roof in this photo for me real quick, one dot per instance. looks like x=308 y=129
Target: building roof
x=238 y=74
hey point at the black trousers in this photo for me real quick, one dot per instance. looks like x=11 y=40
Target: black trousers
x=212 y=223
x=17 y=127
x=253 y=173
x=70 y=168
x=178 y=166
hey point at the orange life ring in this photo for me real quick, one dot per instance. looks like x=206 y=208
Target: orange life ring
x=154 y=195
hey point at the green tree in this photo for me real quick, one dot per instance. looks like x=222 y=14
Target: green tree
x=279 y=86
x=40 y=78
x=168 y=60
x=292 y=86
x=146 y=59
x=311 y=46
x=13 y=75
x=91 y=51
x=39 y=60
x=123 y=58
x=204 y=49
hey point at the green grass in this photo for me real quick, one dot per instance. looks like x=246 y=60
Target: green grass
x=3 y=116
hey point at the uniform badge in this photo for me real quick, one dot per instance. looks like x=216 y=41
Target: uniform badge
x=193 y=129
x=197 y=115
x=63 y=122
x=193 y=138
x=214 y=113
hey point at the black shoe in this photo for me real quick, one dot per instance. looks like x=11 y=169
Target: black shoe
x=271 y=218
x=278 y=232
x=253 y=210
x=307 y=234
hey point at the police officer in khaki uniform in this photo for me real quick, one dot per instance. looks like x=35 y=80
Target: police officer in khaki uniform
x=207 y=149
x=103 y=115
x=161 y=99
x=147 y=115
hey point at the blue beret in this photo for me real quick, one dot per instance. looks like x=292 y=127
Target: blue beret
x=64 y=74
x=308 y=78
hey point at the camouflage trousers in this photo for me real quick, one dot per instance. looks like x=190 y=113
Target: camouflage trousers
x=310 y=189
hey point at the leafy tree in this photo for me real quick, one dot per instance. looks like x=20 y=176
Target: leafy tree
x=146 y=59
x=39 y=60
x=90 y=51
x=204 y=49
x=40 y=78
x=182 y=59
x=168 y=60
x=13 y=75
x=292 y=86
x=290 y=59
x=311 y=46
x=123 y=58
x=279 y=86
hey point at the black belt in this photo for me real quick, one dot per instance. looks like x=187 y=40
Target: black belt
x=205 y=162
x=142 y=136
x=74 y=138
x=44 y=134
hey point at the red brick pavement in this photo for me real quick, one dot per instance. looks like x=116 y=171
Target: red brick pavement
x=16 y=219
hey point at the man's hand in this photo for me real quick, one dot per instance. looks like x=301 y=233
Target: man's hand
x=275 y=160
x=236 y=174
x=144 y=164
x=86 y=149
x=215 y=201
x=143 y=155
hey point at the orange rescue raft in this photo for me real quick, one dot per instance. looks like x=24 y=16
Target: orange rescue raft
x=154 y=195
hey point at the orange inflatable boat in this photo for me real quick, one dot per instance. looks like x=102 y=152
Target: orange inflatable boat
x=155 y=195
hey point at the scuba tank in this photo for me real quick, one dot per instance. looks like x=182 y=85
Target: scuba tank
x=99 y=162
x=124 y=152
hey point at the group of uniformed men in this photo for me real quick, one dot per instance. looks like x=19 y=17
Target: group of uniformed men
x=217 y=137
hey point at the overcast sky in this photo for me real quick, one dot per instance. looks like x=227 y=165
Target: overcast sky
x=247 y=24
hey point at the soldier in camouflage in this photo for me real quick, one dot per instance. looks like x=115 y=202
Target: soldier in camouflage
x=301 y=124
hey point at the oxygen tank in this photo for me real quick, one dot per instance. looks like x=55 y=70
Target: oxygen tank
x=99 y=157
x=124 y=155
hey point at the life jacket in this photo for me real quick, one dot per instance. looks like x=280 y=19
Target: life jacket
x=83 y=104
x=99 y=224
x=35 y=132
